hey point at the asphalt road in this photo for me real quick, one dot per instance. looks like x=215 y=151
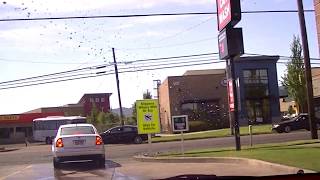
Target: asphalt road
x=35 y=161
x=42 y=153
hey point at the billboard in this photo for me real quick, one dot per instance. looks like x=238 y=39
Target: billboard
x=148 y=116
x=229 y=12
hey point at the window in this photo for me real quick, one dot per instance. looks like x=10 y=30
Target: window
x=102 y=100
x=91 y=100
x=128 y=129
x=77 y=130
x=116 y=130
x=97 y=99
x=256 y=83
x=189 y=106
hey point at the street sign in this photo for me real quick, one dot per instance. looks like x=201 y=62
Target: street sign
x=230 y=95
x=230 y=43
x=148 y=116
x=180 y=123
x=229 y=13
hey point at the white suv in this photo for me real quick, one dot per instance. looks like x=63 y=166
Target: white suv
x=75 y=142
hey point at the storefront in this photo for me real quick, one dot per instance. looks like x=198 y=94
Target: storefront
x=16 y=127
x=259 y=92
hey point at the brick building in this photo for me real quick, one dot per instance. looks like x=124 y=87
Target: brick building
x=202 y=95
x=82 y=108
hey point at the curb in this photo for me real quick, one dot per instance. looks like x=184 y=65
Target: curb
x=234 y=160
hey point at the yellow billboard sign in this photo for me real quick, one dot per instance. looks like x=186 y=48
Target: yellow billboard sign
x=148 y=116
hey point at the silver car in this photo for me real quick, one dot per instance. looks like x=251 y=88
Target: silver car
x=76 y=142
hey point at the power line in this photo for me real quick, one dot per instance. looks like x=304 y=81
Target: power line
x=64 y=73
x=172 y=57
x=58 y=73
x=143 y=15
x=281 y=56
x=105 y=74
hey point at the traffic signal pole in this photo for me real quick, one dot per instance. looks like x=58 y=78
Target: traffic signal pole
x=305 y=46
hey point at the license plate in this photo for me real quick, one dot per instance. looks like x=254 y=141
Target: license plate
x=79 y=142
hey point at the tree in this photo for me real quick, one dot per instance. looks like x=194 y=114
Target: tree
x=93 y=117
x=294 y=79
x=133 y=120
x=147 y=95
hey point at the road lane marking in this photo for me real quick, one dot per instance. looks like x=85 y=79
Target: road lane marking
x=16 y=172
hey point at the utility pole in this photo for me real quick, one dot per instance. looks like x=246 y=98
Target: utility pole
x=235 y=97
x=305 y=46
x=118 y=86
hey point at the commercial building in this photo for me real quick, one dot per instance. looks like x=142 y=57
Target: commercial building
x=15 y=127
x=83 y=107
x=202 y=95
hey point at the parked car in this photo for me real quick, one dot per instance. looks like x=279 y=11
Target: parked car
x=123 y=134
x=296 y=123
x=78 y=142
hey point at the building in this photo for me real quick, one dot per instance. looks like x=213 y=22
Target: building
x=100 y=100
x=316 y=89
x=84 y=106
x=259 y=91
x=15 y=127
x=202 y=95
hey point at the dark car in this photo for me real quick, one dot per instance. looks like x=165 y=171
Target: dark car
x=123 y=134
x=296 y=123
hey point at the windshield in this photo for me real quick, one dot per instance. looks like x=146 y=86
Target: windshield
x=77 y=130
x=170 y=87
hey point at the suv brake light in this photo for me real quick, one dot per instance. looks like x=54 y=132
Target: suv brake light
x=99 y=140
x=59 y=143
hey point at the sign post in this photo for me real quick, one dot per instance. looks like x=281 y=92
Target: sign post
x=180 y=124
x=148 y=119
x=230 y=43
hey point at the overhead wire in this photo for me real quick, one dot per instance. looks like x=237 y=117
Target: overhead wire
x=109 y=73
x=143 y=15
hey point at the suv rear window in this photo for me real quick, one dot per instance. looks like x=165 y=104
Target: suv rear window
x=77 y=130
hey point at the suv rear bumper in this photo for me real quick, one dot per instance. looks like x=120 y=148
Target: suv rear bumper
x=80 y=157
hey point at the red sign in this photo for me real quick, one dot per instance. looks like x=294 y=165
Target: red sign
x=224 y=13
x=230 y=95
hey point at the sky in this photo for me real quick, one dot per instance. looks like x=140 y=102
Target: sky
x=33 y=48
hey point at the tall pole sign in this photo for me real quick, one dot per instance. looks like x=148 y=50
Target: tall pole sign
x=228 y=13
x=230 y=43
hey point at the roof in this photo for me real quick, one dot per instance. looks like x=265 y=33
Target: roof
x=255 y=58
x=55 y=118
x=93 y=94
x=204 y=72
x=74 y=125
